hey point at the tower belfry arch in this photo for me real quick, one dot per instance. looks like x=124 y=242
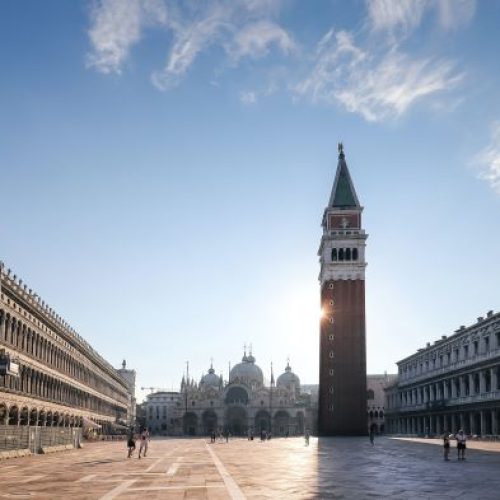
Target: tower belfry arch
x=342 y=380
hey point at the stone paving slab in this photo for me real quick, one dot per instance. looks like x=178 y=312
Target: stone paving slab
x=330 y=468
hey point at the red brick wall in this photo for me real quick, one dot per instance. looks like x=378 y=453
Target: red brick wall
x=349 y=362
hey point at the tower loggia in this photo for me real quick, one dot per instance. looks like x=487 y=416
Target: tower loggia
x=342 y=377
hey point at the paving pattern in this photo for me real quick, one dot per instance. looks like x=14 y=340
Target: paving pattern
x=347 y=468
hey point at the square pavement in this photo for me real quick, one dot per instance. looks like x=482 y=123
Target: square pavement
x=347 y=468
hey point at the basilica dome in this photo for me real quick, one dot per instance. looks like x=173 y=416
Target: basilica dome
x=246 y=371
x=210 y=379
x=288 y=378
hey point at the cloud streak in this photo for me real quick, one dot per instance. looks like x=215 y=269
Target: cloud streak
x=488 y=160
x=376 y=86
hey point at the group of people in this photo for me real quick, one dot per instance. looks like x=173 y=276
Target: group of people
x=461 y=444
x=144 y=439
x=222 y=435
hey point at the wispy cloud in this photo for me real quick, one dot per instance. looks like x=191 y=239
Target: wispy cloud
x=374 y=85
x=248 y=97
x=116 y=25
x=242 y=28
x=404 y=16
x=488 y=160
x=254 y=40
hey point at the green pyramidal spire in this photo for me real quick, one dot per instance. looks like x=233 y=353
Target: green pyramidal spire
x=343 y=192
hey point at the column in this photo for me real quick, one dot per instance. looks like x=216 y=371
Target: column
x=482 y=382
x=472 y=425
x=494 y=379
x=471 y=384
x=432 y=424
x=438 y=424
x=462 y=385
x=462 y=421
x=483 y=430
x=494 y=422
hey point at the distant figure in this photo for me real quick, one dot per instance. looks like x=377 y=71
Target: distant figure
x=249 y=434
x=306 y=437
x=220 y=436
x=461 y=440
x=287 y=433
x=226 y=435
x=269 y=435
x=263 y=435
x=131 y=443
x=372 y=436
x=144 y=442
x=446 y=445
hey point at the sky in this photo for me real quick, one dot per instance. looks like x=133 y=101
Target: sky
x=164 y=167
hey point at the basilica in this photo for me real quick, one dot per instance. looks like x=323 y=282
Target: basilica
x=244 y=403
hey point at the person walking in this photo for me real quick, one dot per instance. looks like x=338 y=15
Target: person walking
x=372 y=436
x=144 y=442
x=446 y=445
x=131 y=443
x=306 y=437
x=461 y=440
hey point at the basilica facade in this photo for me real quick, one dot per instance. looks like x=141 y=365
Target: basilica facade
x=241 y=404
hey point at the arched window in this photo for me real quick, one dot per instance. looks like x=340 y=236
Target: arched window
x=370 y=394
x=334 y=254
x=375 y=414
x=347 y=254
x=341 y=254
x=354 y=254
x=371 y=414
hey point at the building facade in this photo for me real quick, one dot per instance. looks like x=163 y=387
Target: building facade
x=243 y=403
x=342 y=365
x=375 y=400
x=451 y=384
x=49 y=375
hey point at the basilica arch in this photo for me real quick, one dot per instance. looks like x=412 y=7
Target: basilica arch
x=190 y=424
x=237 y=395
x=209 y=419
x=281 y=423
x=262 y=421
x=236 y=420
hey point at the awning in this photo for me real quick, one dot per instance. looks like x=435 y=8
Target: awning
x=90 y=424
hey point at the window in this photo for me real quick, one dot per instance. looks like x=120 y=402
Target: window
x=348 y=254
x=330 y=371
x=192 y=403
x=330 y=389
x=331 y=302
x=354 y=254
x=466 y=351
x=334 y=254
x=370 y=394
x=330 y=354
x=476 y=346
x=341 y=254
x=486 y=343
x=330 y=337
x=331 y=320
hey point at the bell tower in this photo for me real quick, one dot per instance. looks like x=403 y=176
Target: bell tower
x=342 y=364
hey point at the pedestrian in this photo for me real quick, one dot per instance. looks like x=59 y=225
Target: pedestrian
x=212 y=436
x=306 y=437
x=446 y=445
x=461 y=440
x=144 y=442
x=372 y=436
x=131 y=443
x=226 y=435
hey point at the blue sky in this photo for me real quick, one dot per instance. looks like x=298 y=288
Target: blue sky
x=165 y=166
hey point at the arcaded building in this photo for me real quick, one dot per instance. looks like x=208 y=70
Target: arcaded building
x=243 y=403
x=342 y=364
x=49 y=375
x=451 y=384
